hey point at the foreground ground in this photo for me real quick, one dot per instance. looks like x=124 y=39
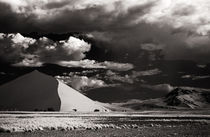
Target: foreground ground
x=162 y=131
x=147 y=123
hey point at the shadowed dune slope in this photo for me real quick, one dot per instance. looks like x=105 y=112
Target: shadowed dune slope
x=32 y=91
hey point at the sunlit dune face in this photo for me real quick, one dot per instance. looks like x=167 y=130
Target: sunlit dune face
x=72 y=100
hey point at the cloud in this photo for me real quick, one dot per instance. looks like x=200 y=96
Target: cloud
x=116 y=78
x=151 y=46
x=118 y=66
x=192 y=16
x=128 y=78
x=93 y=64
x=24 y=51
x=193 y=77
x=82 y=63
x=146 y=72
x=29 y=61
x=188 y=15
x=160 y=87
x=179 y=28
x=67 y=16
x=133 y=77
x=82 y=83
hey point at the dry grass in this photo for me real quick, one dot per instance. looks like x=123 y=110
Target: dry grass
x=145 y=123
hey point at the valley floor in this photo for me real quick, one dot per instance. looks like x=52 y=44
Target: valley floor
x=132 y=124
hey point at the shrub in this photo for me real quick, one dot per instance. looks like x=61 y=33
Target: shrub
x=96 y=110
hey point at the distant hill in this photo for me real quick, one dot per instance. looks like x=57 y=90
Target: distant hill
x=190 y=98
x=178 y=98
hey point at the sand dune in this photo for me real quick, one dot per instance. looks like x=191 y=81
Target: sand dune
x=37 y=91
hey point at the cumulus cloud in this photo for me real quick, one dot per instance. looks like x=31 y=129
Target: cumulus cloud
x=82 y=83
x=114 y=77
x=93 y=64
x=29 y=61
x=24 y=51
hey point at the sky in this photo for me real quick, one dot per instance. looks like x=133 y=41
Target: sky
x=126 y=31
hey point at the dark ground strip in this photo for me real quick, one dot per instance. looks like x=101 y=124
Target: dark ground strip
x=193 y=130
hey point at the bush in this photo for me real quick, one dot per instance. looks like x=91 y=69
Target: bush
x=50 y=109
x=96 y=110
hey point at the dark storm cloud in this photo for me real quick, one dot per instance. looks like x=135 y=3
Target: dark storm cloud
x=124 y=27
x=13 y=22
x=64 y=16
